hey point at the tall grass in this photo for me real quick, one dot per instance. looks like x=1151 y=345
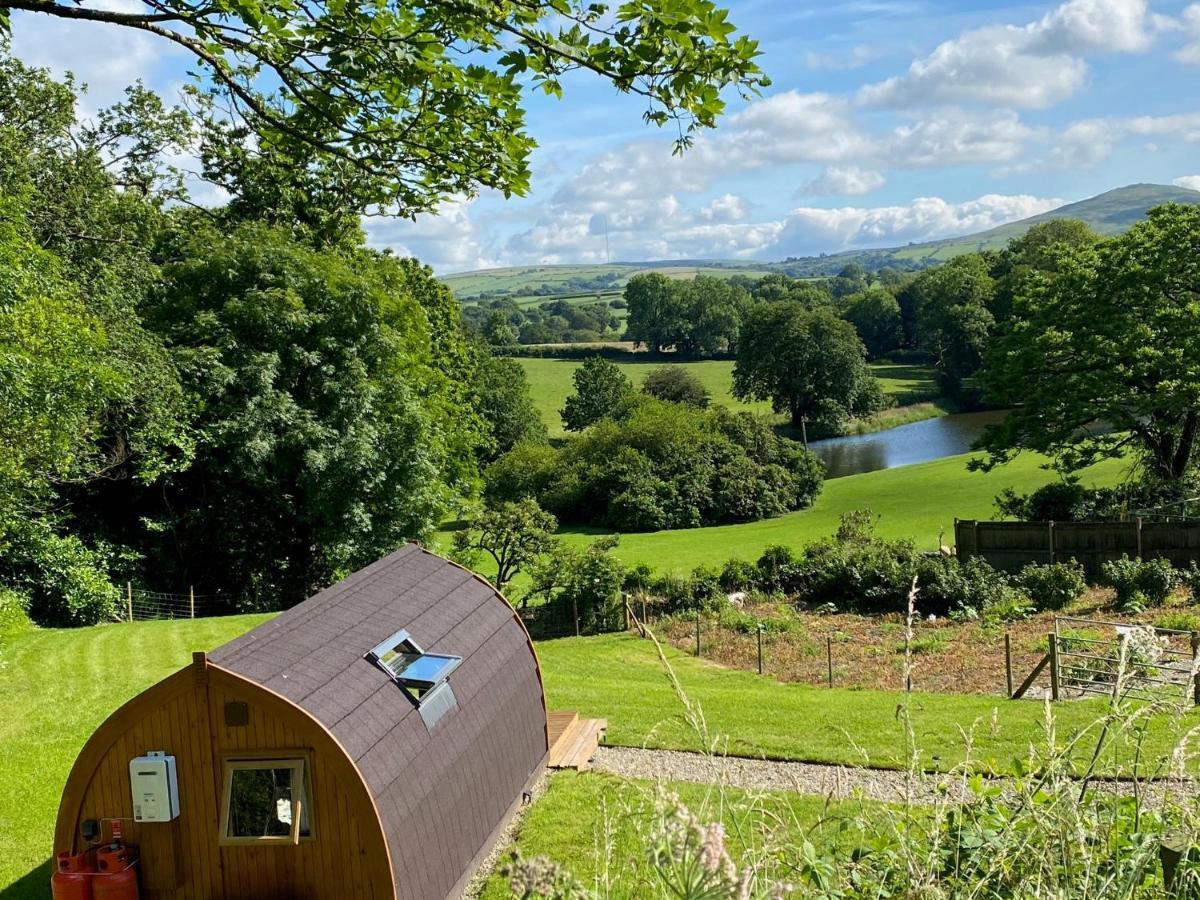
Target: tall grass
x=1055 y=830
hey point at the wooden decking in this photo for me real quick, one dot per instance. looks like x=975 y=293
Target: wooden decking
x=573 y=741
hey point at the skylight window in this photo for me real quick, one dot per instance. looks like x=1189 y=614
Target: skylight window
x=410 y=666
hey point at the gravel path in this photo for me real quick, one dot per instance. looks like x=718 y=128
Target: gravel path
x=761 y=774
x=805 y=778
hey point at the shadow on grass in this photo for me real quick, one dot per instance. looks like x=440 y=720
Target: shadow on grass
x=33 y=886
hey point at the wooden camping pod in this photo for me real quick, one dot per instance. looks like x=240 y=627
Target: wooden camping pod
x=395 y=804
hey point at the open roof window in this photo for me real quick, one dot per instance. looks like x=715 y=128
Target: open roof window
x=412 y=668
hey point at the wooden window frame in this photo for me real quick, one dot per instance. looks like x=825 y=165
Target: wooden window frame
x=300 y=763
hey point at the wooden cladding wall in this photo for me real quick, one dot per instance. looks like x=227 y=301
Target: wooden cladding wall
x=181 y=860
x=1010 y=546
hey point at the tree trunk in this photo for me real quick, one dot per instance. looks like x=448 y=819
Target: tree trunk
x=1187 y=442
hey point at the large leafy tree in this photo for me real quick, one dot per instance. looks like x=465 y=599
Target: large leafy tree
x=504 y=401
x=875 y=315
x=400 y=104
x=808 y=363
x=1102 y=353
x=601 y=389
x=326 y=432
x=656 y=311
x=954 y=317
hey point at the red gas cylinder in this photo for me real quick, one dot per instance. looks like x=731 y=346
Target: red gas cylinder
x=73 y=878
x=116 y=877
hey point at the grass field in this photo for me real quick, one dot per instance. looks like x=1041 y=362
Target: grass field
x=60 y=684
x=550 y=382
x=917 y=502
x=593 y=825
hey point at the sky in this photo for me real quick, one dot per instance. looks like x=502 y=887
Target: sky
x=887 y=122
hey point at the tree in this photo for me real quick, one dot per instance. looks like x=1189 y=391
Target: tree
x=328 y=430
x=498 y=332
x=809 y=364
x=1101 y=354
x=675 y=384
x=875 y=315
x=954 y=318
x=600 y=390
x=422 y=101
x=512 y=534
x=656 y=314
x=506 y=406
x=712 y=311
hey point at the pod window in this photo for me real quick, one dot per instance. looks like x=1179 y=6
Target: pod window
x=265 y=801
x=411 y=667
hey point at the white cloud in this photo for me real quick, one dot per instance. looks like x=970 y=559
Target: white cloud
x=1191 y=182
x=449 y=240
x=844 y=181
x=1190 y=21
x=955 y=137
x=107 y=58
x=855 y=58
x=726 y=208
x=1090 y=141
x=1034 y=65
x=811 y=230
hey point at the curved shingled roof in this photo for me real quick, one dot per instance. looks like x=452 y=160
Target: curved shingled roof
x=441 y=792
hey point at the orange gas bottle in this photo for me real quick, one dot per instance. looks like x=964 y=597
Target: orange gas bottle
x=116 y=876
x=73 y=878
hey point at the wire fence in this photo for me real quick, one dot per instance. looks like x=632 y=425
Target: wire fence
x=140 y=605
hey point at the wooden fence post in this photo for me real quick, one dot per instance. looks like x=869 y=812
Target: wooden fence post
x=697 y=632
x=575 y=610
x=829 y=656
x=1139 y=537
x=1050 y=531
x=129 y=599
x=1008 y=663
x=192 y=601
x=1196 y=677
x=760 y=666
x=1052 y=639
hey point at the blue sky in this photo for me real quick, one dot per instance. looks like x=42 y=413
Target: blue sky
x=888 y=121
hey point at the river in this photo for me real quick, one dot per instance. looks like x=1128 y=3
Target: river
x=919 y=442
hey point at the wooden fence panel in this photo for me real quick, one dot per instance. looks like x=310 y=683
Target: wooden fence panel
x=1010 y=546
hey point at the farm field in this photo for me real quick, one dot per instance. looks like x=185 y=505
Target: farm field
x=867 y=651
x=550 y=383
x=517 y=281
x=619 y=677
x=919 y=502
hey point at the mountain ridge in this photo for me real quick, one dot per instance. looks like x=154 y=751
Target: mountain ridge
x=1110 y=212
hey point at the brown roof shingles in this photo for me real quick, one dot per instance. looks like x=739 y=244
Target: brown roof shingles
x=440 y=794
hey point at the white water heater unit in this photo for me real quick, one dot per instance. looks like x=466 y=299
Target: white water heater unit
x=155 y=787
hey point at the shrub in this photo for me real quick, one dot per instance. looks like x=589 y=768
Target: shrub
x=14 y=612
x=738 y=575
x=586 y=579
x=1012 y=608
x=1053 y=586
x=777 y=568
x=1190 y=579
x=874 y=576
x=1179 y=621
x=662 y=465
x=675 y=384
x=1139 y=582
x=66 y=582
x=638 y=579
x=949 y=586
x=705 y=588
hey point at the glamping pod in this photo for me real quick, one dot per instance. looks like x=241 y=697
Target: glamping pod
x=371 y=742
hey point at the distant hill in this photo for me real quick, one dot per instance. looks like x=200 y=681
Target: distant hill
x=1109 y=213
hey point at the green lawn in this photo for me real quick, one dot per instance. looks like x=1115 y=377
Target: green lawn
x=550 y=383
x=595 y=826
x=917 y=502
x=58 y=685
x=621 y=678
